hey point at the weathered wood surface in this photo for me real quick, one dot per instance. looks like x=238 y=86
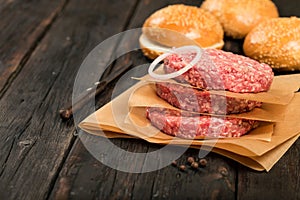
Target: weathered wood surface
x=42 y=45
x=35 y=141
x=23 y=24
x=282 y=182
x=84 y=177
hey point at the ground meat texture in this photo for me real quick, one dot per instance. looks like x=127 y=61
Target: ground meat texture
x=194 y=100
x=220 y=70
x=187 y=125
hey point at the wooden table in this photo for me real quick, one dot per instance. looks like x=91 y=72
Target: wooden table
x=42 y=46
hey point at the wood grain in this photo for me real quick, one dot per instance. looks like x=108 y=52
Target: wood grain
x=36 y=140
x=282 y=182
x=287 y=8
x=85 y=177
x=23 y=25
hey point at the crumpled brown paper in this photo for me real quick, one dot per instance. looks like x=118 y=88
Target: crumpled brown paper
x=256 y=154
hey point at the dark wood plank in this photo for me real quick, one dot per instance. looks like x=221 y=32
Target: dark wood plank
x=36 y=140
x=282 y=182
x=171 y=183
x=287 y=8
x=147 y=7
x=5 y=3
x=82 y=176
x=23 y=24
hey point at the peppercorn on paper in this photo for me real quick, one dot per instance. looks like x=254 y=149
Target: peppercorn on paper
x=116 y=119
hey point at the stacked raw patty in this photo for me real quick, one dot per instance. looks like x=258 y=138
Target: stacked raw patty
x=217 y=70
x=188 y=125
x=194 y=100
x=220 y=70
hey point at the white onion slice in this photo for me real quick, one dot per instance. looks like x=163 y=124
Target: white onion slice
x=179 y=72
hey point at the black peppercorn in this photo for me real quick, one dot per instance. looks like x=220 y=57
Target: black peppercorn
x=203 y=162
x=174 y=163
x=182 y=167
x=190 y=160
x=195 y=165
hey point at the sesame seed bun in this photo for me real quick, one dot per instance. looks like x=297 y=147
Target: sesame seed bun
x=238 y=17
x=153 y=49
x=275 y=42
x=179 y=25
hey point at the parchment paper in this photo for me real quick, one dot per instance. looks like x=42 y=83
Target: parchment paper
x=145 y=96
x=280 y=92
x=256 y=154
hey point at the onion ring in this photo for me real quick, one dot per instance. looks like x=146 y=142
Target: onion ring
x=179 y=72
